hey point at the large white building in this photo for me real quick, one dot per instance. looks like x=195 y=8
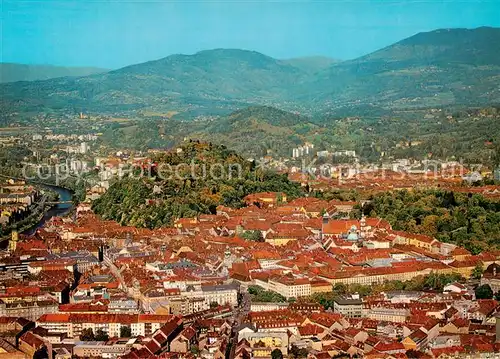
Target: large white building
x=397 y=315
x=221 y=294
x=84 y=147
x=107 y=350
x=267 y=307
x=288 y=286
x=73 y=324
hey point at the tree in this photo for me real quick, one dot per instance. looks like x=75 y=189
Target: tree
x=254 y=289
x=41 y=353
x=194 y=349
x=429 y=225
x=125 y=332
x=276 y=354
x=214 y=305
x=484 y=292
x=255 y=236
x=297 y=353
x=260 y=295
x=339 y=288
x=87 y=335
x=101 y=336
x=478 y=270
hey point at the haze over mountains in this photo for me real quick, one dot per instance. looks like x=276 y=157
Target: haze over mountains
x=311 y=64
x=439 y=68
x=10 y=72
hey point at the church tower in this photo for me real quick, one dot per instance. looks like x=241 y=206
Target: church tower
x=227 y=262
x=13 y=241
x=324 y=222
x=362 y=226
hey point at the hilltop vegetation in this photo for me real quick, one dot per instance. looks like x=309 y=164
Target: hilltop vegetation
x=439 y=68
x=187 y=183
x=259 y=130
x=252 y=131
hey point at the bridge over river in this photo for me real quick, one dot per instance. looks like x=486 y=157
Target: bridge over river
x=59 y=202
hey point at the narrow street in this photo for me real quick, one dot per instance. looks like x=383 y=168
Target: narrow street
x=239 y=314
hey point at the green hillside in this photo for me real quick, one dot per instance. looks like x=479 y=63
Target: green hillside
x=252 y=131
x=438 y=68
x=472 y=135
x=134 y=201
x=259 y=130
x=450 y=67
x=208 y=79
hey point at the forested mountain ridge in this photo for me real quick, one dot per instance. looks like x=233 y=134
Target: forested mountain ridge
x=439 y=68
x=209 y=79
x=252 y=131
x=473 y=46
x=448 y=67
x=259 y=130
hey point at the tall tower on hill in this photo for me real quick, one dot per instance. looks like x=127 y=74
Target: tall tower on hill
x=362 y=228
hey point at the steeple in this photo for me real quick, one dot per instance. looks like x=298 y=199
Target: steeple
x=324 y=222
x=362 y=226
x=13 y=241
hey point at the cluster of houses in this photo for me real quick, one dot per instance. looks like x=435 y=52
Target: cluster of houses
x=16 y=197
x=182 y=291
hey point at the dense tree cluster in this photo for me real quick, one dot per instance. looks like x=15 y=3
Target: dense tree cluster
x=125 y=332
x=259 y=294
x=255 y=236
x=433 y=281
x=470 y=221
x=186 y=183
x=484 y=292
x=88 y=335
x=276 y=354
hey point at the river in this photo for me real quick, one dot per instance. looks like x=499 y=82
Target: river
x=57 y=210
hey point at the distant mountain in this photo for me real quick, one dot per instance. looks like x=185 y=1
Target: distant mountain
x=217 y=75
x=209 y=79
x=10 y=72
x=463 y=46
x=450 y=67
x=437 y=68
x=311 y=64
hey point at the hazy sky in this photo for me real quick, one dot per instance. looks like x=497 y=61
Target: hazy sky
x=116 y=33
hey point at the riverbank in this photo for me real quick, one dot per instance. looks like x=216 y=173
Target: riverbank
x=36 y=214
x=42 y=213
x=58 y=210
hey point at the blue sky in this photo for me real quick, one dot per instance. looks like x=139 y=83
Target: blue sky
x=115 y=33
